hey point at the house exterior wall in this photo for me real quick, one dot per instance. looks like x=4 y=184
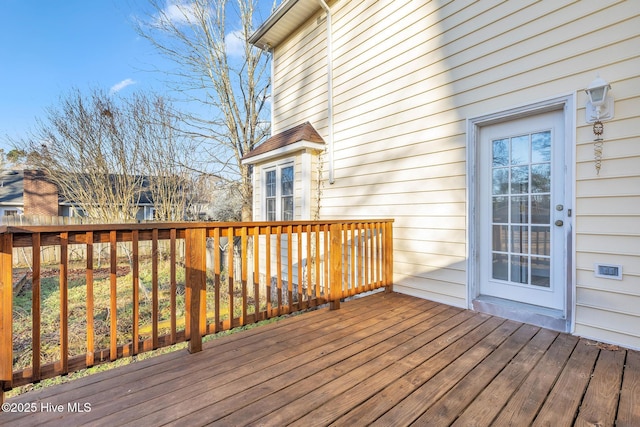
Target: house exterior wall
x=407 y=77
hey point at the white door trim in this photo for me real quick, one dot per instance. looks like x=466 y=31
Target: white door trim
x=559 y=320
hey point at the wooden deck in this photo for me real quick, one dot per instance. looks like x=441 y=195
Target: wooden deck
x=385 y=359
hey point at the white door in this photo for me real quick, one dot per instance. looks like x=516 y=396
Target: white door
x=522 y=244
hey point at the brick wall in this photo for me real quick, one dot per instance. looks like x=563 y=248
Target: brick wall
x=40 y=195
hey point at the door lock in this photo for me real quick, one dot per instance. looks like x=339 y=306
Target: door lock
x=559 y=223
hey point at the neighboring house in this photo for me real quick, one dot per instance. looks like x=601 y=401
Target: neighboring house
x=29 y=193
x=11 y=193
x=468 y=123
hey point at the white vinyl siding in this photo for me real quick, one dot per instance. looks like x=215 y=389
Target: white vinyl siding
x=407 y=76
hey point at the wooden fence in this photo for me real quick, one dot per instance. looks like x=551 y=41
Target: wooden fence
x=220 y=276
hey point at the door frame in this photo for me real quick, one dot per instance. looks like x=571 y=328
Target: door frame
x=561 y=320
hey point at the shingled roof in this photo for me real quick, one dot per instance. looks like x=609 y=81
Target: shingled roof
x=301 y=133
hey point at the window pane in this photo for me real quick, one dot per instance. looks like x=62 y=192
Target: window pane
x=287 y=181
x=540 y=209
x=541 y=178
x=500 y=267
x=520 y=209
x=270 y=183
x=541 y=147
x=519 y=269
x=520 y=150
x=520 y=180
x=500 y=181
x=500 y=152
x=271 y=209
x=541 y=240
x=541 y=272
x=500 y=241
x=500 y=209
x=287 y=208
x=520 y=239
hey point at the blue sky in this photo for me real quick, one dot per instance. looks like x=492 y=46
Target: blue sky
x=48 y=47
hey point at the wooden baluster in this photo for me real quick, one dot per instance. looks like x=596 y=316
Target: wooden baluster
x=316 y=283
x=367 y=255
x=268 y=268
x=135 y=249
x=155 y=294
x=113 y=252
x=374 y=249
x=173 y=283
x=230 y=275
x=345 y=258
x=309 y=266
x=279 y=267
x=216 y=276
x=90 y=298
x=378 y=254
x=327 y=262
x=300 y=282
x=256 y=272
x=243 y=273
x=35 y=306
x=336 y=256
x=354 y=262
x=289 y=269
x=64 y=302
x=6 y=314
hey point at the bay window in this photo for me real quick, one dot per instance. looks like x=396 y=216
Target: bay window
x=278 y=190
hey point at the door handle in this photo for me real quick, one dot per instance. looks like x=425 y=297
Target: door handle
x=559 y=223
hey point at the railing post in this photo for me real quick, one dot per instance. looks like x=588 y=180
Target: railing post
x=335 y=272
x=195 y=271
x=388 y=256
x=6 y=314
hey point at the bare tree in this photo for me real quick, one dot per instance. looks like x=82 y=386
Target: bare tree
x=103 y=153
x=165 y=155
x=82 y=147
x=232 y=89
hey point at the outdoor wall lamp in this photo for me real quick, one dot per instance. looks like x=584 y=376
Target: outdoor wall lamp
x=598 y=108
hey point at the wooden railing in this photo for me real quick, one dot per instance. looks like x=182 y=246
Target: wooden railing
x=169 y=282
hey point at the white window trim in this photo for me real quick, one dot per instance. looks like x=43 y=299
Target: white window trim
x=277 y=166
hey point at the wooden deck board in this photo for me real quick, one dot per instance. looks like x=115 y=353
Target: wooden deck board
x=600 y=402
x=564 y=399
x=320 y=371
x=629 y=407
x=386 y=359
x=494 y=396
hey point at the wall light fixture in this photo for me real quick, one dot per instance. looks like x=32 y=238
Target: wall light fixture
x=599 y=108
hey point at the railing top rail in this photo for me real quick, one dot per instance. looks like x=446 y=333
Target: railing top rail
x=50 y=234
x=27 y=229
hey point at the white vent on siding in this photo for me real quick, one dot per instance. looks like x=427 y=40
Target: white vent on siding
x=609 y=271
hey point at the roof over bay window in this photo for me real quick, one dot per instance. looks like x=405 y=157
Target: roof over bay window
x=295 y=139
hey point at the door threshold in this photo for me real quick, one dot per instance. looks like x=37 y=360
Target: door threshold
x=521 y=312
